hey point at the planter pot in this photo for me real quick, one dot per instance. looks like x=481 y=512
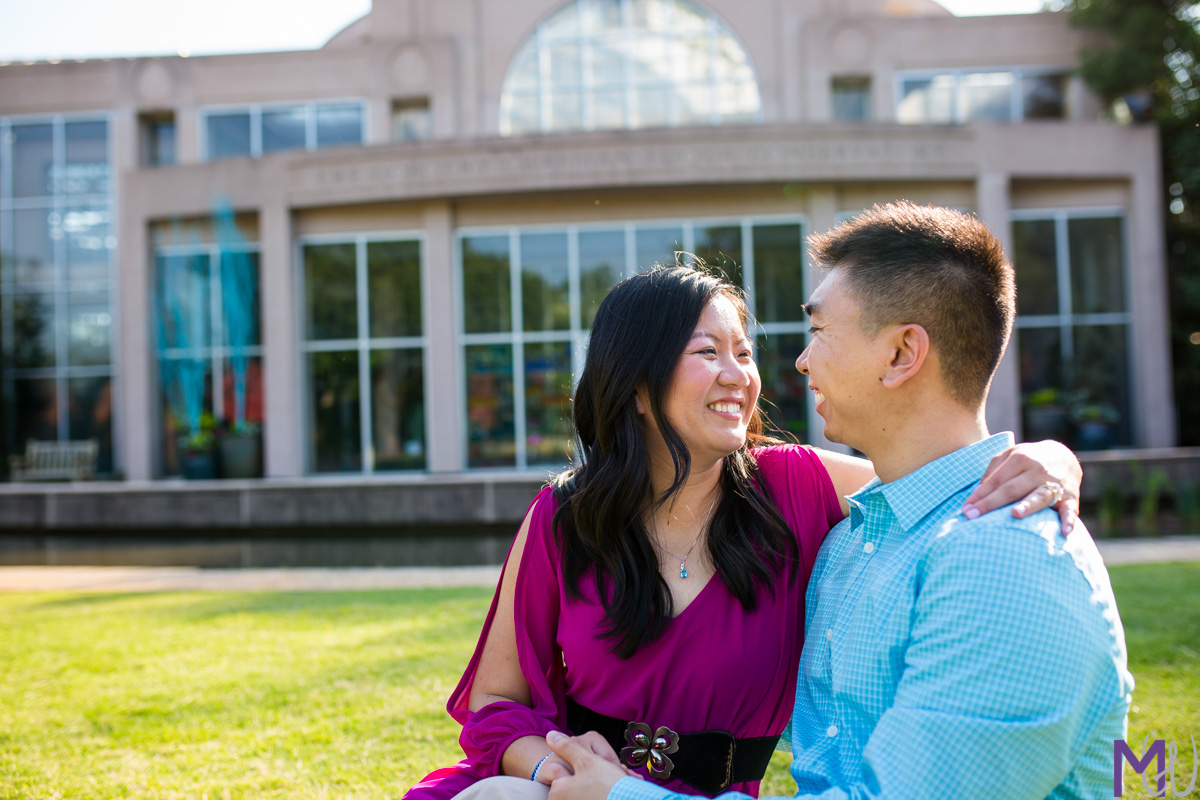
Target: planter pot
x=1093 y=436
x=198 y=466
x=241 y=455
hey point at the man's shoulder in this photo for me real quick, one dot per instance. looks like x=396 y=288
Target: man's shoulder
x=1030 y=554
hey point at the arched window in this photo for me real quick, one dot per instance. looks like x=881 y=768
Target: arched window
x=627 y=64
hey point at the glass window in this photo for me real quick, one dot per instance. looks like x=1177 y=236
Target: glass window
x=544 y=302
x=158 y=140
x=1073 y=347
x=398 y=409
x=335 y=438
x=412 y=120
x=601 y=265
x=518 y=383
x=927 y=101
x=491 y=409
x=36 y=406
x=851 y=98
x=88 y=242
x=487 y=290
x=32 y=160
x=89 y=325
x=381 y=427
x=86 y=167
x=228 y=134
x=1097 y=277
x=1043 y=406
x=657 y=246
x=331 y=296
x=33 y=331
x=1044 y=96
x=55 y=281
x=987 y=96
x=720 y=246
x=284 y=129
x=548 y=404
x=605 y=64
x=34 y=231
x=339 y=125
x=1035 y=261
x=784 y=390
x=779 y=294
x=961 y=96
x=210 y=356
x=394 y=288
x=90 y=406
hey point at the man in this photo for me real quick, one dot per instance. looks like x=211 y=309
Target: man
x=946 y=656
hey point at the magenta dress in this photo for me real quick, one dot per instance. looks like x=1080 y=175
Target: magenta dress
x=716 y=667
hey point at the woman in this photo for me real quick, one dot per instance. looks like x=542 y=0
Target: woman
x=662 y=581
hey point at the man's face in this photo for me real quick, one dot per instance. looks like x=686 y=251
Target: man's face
x=844 y=365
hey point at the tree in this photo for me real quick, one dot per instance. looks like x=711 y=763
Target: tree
x=1149 y=71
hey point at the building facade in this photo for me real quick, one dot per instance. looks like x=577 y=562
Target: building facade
x=380 y=259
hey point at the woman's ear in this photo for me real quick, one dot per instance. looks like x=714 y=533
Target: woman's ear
x=910 y=346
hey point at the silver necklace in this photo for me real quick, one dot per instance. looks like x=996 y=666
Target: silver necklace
x=683 y=559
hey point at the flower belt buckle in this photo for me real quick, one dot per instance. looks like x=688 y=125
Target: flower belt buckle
x=654 y=749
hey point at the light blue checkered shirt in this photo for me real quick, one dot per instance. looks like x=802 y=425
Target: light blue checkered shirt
x=954 y=658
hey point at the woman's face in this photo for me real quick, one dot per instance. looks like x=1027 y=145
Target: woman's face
x=714 y=390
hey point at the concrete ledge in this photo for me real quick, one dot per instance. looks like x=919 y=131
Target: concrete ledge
x=394 y=503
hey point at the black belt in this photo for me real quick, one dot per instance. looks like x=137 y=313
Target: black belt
x=710 y=761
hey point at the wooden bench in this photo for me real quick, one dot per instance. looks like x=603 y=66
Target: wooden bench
x=55 y=461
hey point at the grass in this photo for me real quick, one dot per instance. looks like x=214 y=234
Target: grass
x=318 y=695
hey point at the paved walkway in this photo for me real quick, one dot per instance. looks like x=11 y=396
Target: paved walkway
x=160 y=579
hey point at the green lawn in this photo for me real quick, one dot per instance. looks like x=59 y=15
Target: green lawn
x=313 y=695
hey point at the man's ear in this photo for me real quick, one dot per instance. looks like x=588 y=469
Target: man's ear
x=909 y=346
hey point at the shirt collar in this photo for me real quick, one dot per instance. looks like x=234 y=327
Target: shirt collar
x=912 y=497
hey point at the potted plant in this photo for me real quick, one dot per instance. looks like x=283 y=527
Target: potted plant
x=1093 y=421
x=241 y=451
x=197 y=451
x=1045 y=414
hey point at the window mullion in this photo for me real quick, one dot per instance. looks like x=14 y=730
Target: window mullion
x=218 y=351
x=518 y=346
x=363 y=349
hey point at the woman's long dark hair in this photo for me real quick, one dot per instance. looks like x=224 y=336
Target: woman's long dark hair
x=638 y=336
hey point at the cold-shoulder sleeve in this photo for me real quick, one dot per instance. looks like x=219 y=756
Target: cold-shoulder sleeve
x=488 y=732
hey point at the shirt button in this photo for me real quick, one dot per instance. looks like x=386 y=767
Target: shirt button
x=869 y=548
x=829 y=634
x=832 y=731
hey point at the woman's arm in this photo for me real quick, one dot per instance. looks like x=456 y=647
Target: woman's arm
x=1019 y=473
x=499 y=678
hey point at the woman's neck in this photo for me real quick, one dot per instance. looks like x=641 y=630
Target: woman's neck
x=692 y=503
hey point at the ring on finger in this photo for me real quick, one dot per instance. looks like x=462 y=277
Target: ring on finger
x=1056 y=491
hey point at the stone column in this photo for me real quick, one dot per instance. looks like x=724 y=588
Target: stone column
x=444 y=403
x=993 y=205
x=134 y=391
x=283 y=430
x=1150 y=356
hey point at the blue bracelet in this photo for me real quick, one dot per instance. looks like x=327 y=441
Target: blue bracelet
x=533 y=777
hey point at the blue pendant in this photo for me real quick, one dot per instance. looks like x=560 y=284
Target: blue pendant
x=682 y=572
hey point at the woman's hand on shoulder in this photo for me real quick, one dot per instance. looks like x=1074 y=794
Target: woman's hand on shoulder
x=1039 y=475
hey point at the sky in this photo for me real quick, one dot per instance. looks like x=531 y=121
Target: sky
x=48 y=30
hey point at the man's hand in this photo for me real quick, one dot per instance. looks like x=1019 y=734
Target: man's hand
x=597 y=768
